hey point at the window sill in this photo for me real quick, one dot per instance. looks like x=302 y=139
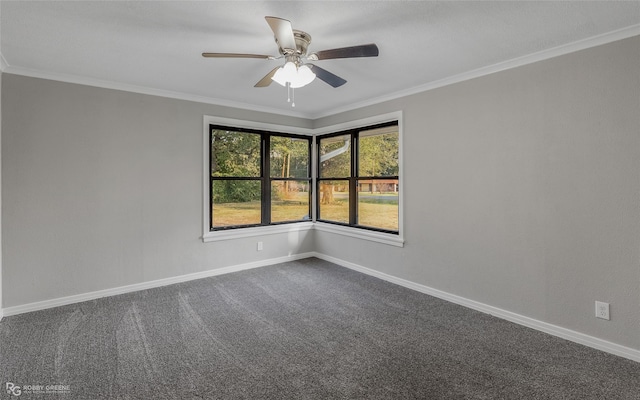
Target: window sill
x=380 y=237
x=240 y=233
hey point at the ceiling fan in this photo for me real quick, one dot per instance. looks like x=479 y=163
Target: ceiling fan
x=292 y=45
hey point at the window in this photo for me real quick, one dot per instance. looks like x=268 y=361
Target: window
x=358 y=178
x=290 y=178
x=334 y=180
x=258 y=177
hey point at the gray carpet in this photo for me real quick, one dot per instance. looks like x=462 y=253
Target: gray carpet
x=300 y=330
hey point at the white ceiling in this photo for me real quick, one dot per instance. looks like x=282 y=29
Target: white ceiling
x=155 y=47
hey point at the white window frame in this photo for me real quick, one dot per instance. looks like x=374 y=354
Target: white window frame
x=379 y=237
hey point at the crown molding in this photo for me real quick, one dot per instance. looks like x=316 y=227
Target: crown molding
x=624 y=33
x=105 y=84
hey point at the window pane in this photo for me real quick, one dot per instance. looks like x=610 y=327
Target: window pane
x=335 y=157
x=378 y=152
x=235 y=154
x=289 y=157
x=378 y=203
x=334 y=201
x=289 y=201
x=236 y=202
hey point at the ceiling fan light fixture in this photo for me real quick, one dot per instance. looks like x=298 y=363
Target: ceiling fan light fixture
x=296 y=76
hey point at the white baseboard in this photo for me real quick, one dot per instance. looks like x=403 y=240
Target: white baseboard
x=41 y=305
x=564 y=333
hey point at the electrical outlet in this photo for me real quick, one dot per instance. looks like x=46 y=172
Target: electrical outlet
x=259 y=246
x=602 y=310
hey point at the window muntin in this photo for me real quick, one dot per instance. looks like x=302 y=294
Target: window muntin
x=242 y=193
x=368 y=197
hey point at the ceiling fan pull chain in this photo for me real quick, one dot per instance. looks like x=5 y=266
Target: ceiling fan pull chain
x=288 y=92
x=293 y=97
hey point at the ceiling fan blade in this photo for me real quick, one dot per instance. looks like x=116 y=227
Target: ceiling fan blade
x=266 y=81
x=283 y=32
x=236 y=55
x=322 y=74
x=365 y=50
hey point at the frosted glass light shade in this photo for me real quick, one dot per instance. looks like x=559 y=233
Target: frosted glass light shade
x=303 y=78
x=285 y=74
x=297 y=77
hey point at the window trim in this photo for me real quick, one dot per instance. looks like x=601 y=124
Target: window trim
x=281 y=228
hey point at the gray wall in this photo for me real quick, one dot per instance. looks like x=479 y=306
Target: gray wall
x=103 y=188
x=1 y=194
x=521 y=191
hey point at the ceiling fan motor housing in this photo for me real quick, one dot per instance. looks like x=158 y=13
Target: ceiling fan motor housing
x=302 y=43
